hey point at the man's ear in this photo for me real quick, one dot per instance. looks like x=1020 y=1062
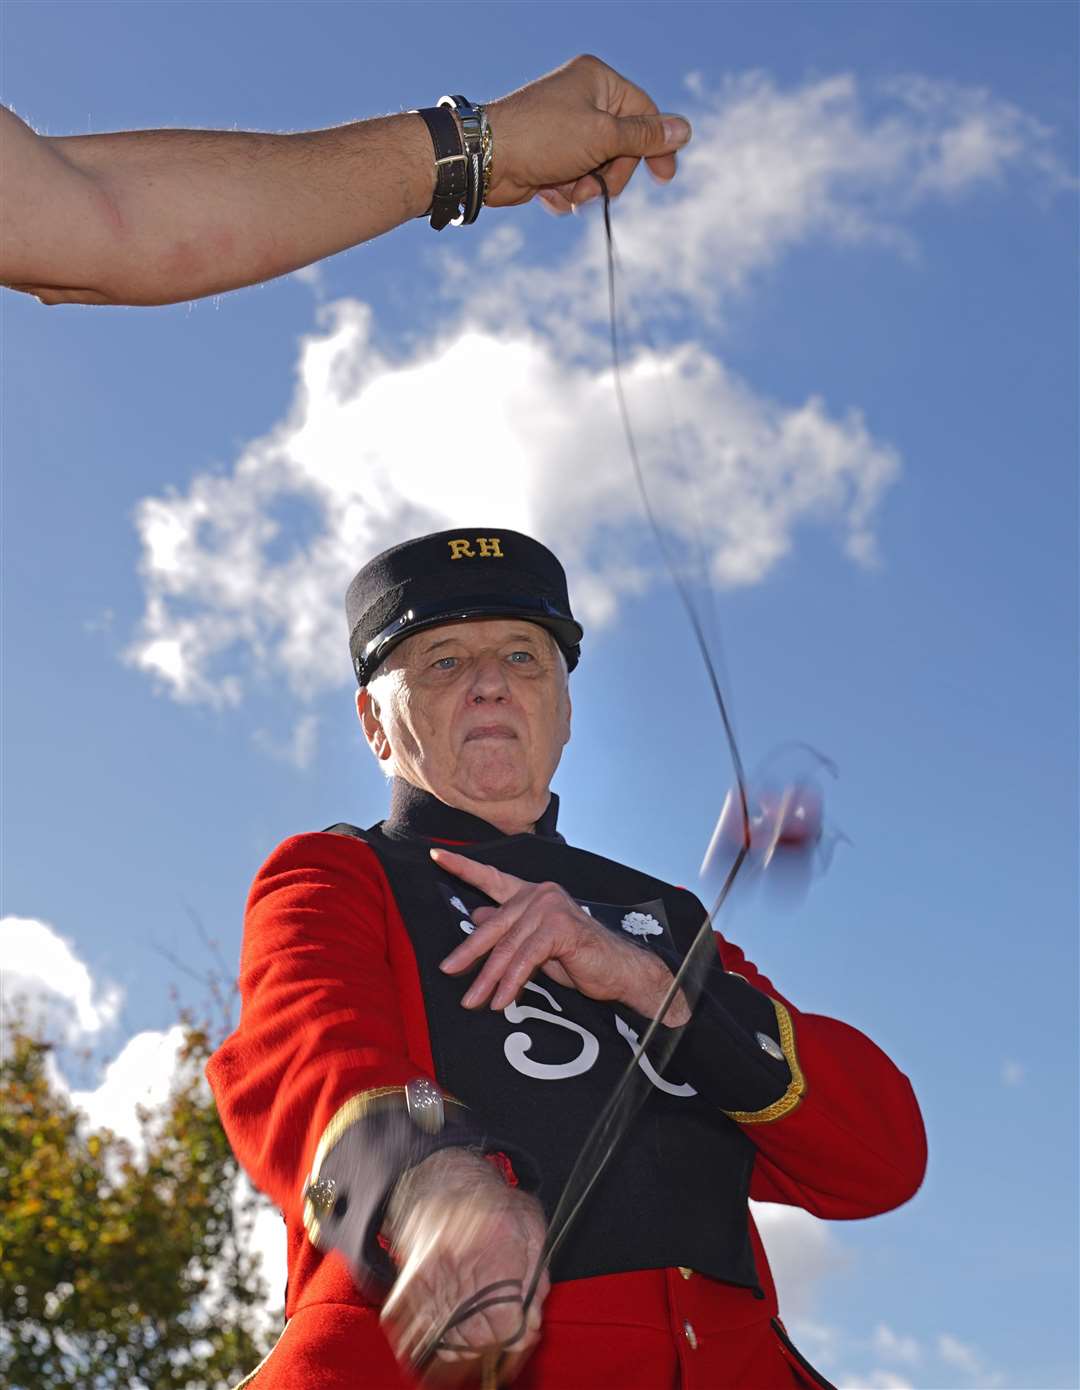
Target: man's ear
x=367 y=711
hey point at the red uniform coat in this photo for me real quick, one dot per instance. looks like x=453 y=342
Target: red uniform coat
x=332 y=1007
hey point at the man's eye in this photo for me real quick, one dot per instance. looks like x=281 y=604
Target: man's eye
x=445 y=663
x=521 y=658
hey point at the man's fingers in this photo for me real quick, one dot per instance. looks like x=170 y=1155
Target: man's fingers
x=616 y=175
x=654 y=137
x=533 y=944
x=470 y=950
x=555 y=201
x=408 y=1330
x=519 y=969
x=662 y=167
x=497 y=1326
x=469 y=1257
x=532 y=931
x=494 y=925
x=486 y=877
x=536 y=1307
x=496 y=966
x=646 y=135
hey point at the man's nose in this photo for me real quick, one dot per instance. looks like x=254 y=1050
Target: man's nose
x=489 y=680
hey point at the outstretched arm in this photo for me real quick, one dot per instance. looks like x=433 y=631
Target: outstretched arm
x=160 y=216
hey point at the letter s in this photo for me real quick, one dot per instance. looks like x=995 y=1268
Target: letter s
x=517 y=1045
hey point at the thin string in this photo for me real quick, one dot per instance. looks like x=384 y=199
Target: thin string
x=479 y=1302
x=677 y=449
x=639 y=477
x=625 y=1100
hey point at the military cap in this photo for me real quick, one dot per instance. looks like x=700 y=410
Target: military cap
x=450 y=575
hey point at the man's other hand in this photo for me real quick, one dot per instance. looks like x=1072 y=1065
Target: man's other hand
x=540 y=926
x=457 y=1228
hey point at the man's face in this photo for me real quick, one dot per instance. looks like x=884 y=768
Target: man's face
x=475 y=712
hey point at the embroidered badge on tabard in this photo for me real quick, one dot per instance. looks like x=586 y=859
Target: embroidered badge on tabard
x=646 y=922
x=641 y=924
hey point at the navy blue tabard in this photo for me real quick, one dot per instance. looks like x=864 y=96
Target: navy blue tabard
x=538 y=1072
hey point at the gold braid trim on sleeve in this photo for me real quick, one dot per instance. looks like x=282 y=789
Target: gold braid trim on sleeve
x=346 y=1115
x=796 y=1086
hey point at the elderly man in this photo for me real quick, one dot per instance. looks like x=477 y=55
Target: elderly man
x=435 y=1009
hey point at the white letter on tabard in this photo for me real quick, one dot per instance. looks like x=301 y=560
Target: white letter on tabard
x=517 y=1044
x=647 y=1067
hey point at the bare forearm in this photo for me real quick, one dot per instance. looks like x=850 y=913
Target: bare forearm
x=174 y=214
x=158 y=216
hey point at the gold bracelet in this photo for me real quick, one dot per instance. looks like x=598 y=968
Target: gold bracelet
x=487 y=151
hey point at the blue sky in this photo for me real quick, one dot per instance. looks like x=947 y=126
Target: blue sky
x=863 y=293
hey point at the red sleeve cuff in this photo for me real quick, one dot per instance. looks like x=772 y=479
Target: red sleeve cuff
x=505 y=1167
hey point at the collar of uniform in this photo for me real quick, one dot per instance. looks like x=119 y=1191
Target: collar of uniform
x=416 y=812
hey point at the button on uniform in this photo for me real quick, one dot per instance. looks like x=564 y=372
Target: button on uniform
x=691 y=1335
x=771 y=1046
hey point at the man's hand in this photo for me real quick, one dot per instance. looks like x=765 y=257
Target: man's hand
x=551 y=135
x=539 y=926
x=456 y=1228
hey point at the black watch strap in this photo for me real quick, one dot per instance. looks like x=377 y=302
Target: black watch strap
x=451 y=164
x=472 y=129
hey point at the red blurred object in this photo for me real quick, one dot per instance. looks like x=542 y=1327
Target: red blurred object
x=788 y=816
x=793 y=816
x=785 y=826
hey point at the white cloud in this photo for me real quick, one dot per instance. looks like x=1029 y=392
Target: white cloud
x=956 y=1353
x=244 y=571
x=368 y=468
x=142 y=1074
x=311 y=276
x=41 y=972
x=802 y=1251
x=267 y=1239
x=896 y=1347
x=39 y=967
x=966 y=136
x=100 y=624
x=299 y=749
x=829 y=1347
x=771 y=167
x=953 y=1362
x=877 y=1380
x=1013 y=1073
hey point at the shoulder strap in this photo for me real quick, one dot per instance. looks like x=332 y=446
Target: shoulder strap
x=344 y=828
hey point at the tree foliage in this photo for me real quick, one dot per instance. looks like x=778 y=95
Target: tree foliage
x=116 y=1268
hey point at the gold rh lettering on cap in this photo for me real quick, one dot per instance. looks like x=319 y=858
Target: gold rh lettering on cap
x=488 y=548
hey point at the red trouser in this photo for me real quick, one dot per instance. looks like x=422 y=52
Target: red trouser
x=651 y=1330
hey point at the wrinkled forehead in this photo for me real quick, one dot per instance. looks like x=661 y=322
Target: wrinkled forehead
x=474 y=635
